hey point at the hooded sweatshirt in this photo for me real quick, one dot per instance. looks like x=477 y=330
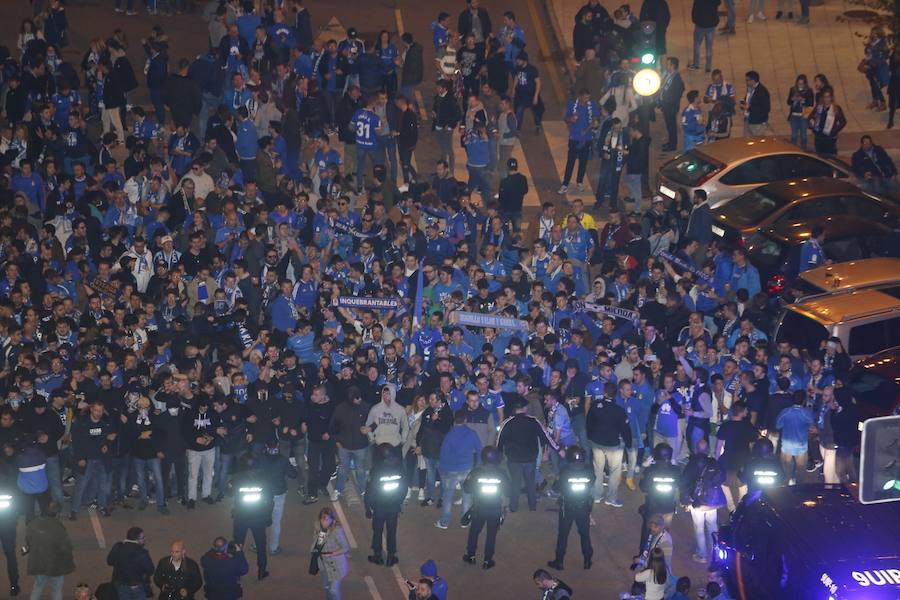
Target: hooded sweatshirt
x=439 y=584
x=391 y=424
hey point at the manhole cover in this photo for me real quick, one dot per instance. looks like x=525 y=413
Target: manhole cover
x=861 y=15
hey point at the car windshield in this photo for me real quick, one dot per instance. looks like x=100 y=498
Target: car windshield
x=751 y=208
x=873 y=389
x=801 y=331
x=690 y=168
x=765 y=252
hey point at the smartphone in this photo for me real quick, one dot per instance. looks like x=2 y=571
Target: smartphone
x=410 y=584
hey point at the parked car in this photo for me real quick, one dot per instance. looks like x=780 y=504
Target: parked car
x=728 y=168
x=875 y=382
x=841 y=277
x=866 y=321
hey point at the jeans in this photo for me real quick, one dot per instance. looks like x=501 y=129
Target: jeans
x=222 y=469
x=608 y=187
x=635 y=455
x=875 y=85
x=356 y=461
x=804 y=9
x=445 y=145
x=208 y=105
x=449 y=479
x=537 y=111
x=635 y=189
x=828 y=469
x=705 y=35
x=54 y=477
x=197 y=460
x=389 y=147
x=579 y=151
x=729 y=20
x=180 y=464
x=406 y=167
x=799 y=125
x=332 y=588
x=55 y=583
x=362 y=152
x=277 y=514
x=141 y=466
x=127 y=592
x=431 y=472
x=612 y=456
x=95 y=476
x=409 y=92
x=492 y=154
x=321 y=465
x=519 y=474
x=478 y=179
x=706 y=525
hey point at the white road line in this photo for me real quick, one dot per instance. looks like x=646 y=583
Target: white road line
x=401 y=581
x=346 y=524
x=98 y=529
x=398 y=16
x=370 y=583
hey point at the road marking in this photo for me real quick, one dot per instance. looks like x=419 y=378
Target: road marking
x=398 y=16
x=401 y=581
x=545 y=49
x=343 y=519
x=370 y=583
x=98 y=529
x=423 y=113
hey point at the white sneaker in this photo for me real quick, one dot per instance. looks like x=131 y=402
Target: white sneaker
x=562 y=189
x=750 y=19
x=760 y=16
x=439 y=526
x=579 y=187
x=333 y=495
x=457 y=502
x=421 y=494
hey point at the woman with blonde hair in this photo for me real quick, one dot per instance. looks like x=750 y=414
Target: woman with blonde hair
x=330 y=550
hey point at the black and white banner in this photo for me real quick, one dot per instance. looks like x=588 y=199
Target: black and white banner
x=611 y=311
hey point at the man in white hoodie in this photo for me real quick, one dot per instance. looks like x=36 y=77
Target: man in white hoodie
x=387 y=422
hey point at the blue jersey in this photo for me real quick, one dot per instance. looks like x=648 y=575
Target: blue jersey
x=580 y=130
x=811 y=255
x=366 y=123
x=323 y=159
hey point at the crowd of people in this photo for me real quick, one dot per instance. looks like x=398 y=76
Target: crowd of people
x=215 y=293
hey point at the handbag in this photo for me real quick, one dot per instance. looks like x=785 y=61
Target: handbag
x=314 y=563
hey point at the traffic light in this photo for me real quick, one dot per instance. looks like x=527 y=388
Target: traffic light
x=645 y=45
x=879 y=468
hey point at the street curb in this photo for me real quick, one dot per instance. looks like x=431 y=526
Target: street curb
x=568 y=56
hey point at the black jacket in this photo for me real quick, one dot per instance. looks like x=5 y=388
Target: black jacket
x=413 y=66
x=182 y=96
x=464 y=24
x=408 y=130
x=131 y=564
x=381 y=495
x=701 y=482
x=607 y=424
x=222 y=573
x=487 y=502
x=345 y=423
x=170 y=582
x=276 y=468
x=760 y=105
x=434 y=426
x=705 y=13
x=520 y=438
x=660 y=485
x=670 y=97
x=446 y=111
x=343 y=114
x=513 y=189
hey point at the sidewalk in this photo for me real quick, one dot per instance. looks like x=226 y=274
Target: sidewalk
x=779 y=52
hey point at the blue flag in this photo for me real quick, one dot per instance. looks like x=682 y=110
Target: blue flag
x=420 y=284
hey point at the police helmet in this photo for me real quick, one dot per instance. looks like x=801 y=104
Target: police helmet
x=490 y=455
x=662 y=453
x=387 y=453
x=575 y=454
x=762 y=448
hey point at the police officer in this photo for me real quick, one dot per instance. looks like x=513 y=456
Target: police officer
x=488 y=484
x=660 y=484
x=9 y=515
x=764 y=469
x=575 y=484
x=252 y=509
x=384 y=496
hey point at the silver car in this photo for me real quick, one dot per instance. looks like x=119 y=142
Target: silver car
x=728 y=168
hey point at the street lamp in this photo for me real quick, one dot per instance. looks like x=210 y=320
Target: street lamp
x=646 y=82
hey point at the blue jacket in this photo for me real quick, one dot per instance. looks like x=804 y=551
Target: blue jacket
x=246 y=145
x=459 y=450
x=747 y=278
x=794 y=424
x=283 y=314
